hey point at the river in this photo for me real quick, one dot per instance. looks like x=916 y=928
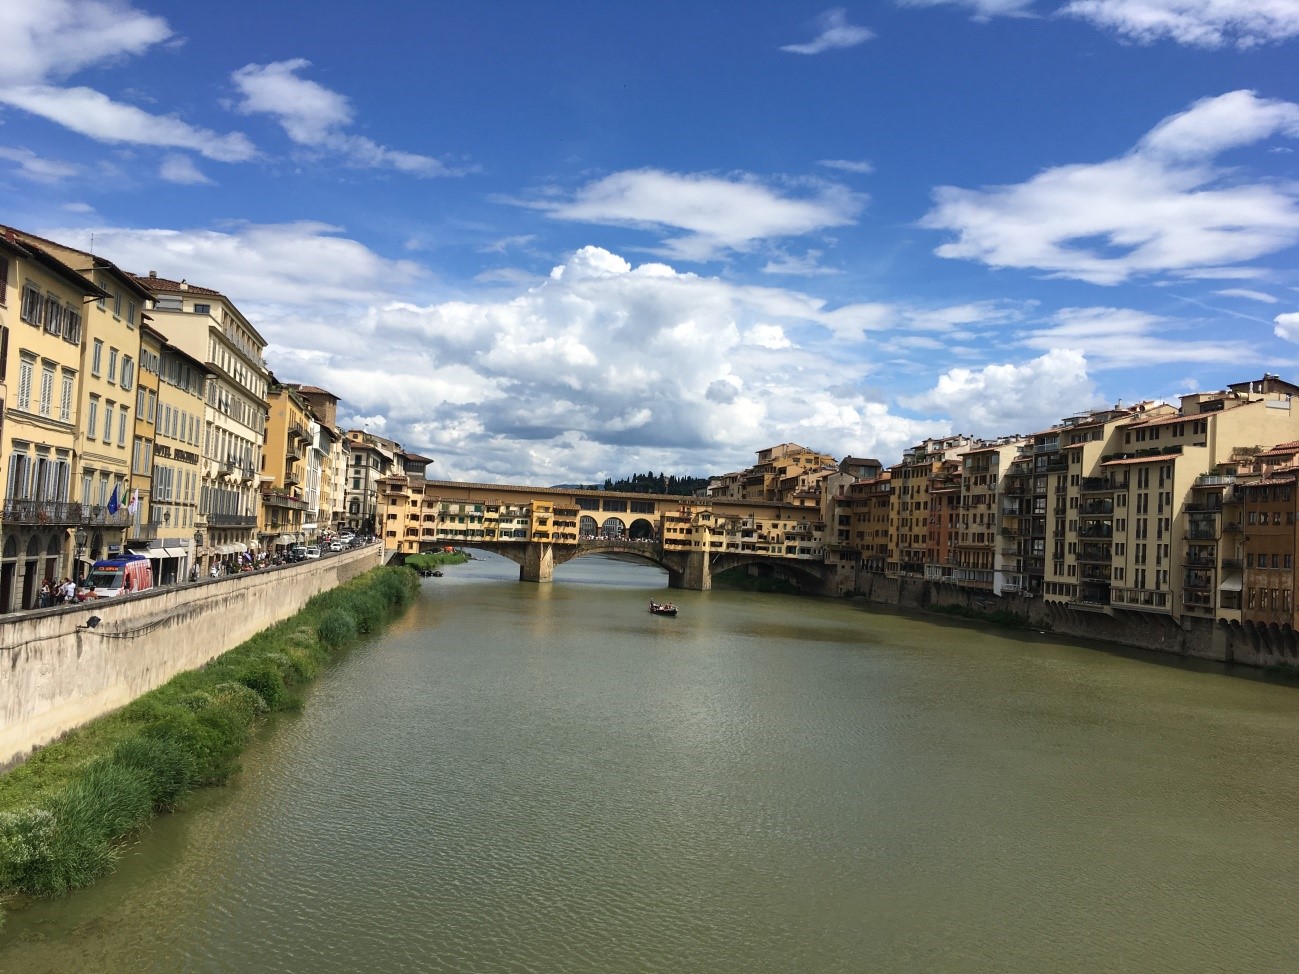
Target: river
x=547 y=778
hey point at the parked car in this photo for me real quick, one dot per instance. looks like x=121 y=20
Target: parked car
x=347 y=537
x=335 y=546
x=312 y=551
x=297 y=553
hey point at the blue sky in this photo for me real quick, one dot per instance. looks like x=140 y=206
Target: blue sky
x=546 y=242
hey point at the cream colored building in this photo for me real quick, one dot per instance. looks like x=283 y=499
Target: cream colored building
x=206 y=325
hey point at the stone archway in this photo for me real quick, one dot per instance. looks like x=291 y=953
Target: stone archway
x=31 y=572
x=586 y=527
x=641 y=530
x=613 y=528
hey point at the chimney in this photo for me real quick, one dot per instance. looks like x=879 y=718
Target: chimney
x=184 y=286
x=153 y=273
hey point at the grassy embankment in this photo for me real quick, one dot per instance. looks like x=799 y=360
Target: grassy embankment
x=436 y=559
x=67 y=811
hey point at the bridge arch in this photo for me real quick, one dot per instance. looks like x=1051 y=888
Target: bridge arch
x=613 y=527
x=641 y=530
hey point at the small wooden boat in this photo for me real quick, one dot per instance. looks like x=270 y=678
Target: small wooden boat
x=662 y=608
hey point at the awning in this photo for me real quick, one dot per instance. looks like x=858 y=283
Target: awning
x=176 y=552
x=224 y=549
x=1232 y=582
x=238 y=546
x=286 y=539
x=153 y=554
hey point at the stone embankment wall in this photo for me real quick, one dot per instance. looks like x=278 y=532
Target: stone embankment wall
x=1192 y=637
x=56 y=673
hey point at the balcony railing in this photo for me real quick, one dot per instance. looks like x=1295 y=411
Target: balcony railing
x=67 y=513
x=146 y=530
x=232 y=520
x=275 y=499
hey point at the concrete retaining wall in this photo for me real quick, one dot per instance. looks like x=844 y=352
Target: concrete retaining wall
x=1200 y=638
x=57 y=674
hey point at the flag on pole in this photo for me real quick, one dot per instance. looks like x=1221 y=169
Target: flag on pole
x=135 y=502
x=113 y=503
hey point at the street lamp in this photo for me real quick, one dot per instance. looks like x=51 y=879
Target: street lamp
x=79 y=539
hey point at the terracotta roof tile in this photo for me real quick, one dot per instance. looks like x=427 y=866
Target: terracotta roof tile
x=164 y=284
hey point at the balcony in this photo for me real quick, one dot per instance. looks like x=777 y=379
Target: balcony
x=232 y=520
x=1094 y=553
x=1199 y=580
x=292 y=451
x=297 y=432
x=146 y=530
x=274 y=498
x=1099 y=485
x=42 y=512
x=1096 y=531
x=1096 y=508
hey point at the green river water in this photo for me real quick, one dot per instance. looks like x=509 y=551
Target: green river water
x=524 y=778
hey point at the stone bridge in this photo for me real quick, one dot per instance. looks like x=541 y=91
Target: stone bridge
x=686 y=569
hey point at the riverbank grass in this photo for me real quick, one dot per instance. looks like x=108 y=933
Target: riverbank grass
x=66 y=812
x=436 y=559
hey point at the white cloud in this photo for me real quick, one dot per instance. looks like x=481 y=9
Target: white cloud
x=583 y=371
x=862 y=167
x=314 y=116
x=1121 y=338
x=1004 y=398
x=33 y=167
x=1248 y=295
x=982 y=9
x=1287 y=326
x=1161 y=208
x=181 y=169
x=718 y=214
x=1197 y=23
x=305 y=266
x=806 y=266
x=55 y=39
x=835 y=32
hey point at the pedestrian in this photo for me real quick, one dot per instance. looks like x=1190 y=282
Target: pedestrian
x=45 y=597
x=126 y=585
x=193 y=573
x=69 y=591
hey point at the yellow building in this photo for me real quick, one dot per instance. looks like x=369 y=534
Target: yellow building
x=47 y=513
x=284 y=470
x=177 y=473
x=110 y=353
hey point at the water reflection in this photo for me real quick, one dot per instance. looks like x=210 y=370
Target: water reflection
x=548 y=778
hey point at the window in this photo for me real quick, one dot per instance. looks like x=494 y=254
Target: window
x=92 y=418
x=130 y=313
x=65 y=398
x=4 y=349
x=4 y=279
x=202 y=309
x=153 y=403
x=72 y=326
x=139 y=401
x=97 y=359
x=117 y=304
x=108 y=421
x=128 y=371
x=26 y=370
x=122 y=413
x=53 y=316
x=32 y=301
x=47 y=389
x=112 y=365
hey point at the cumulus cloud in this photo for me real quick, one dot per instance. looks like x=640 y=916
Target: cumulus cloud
x=1196 y=23
x=1121 y=338
x=181 y=169
x=834 y=32
x=717 y=214
x=1163 y=207
x=599 y=368
x=1004 y=398
x=1287 y=326
x=38 y=169
x=314 y=116
x=53 y=40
